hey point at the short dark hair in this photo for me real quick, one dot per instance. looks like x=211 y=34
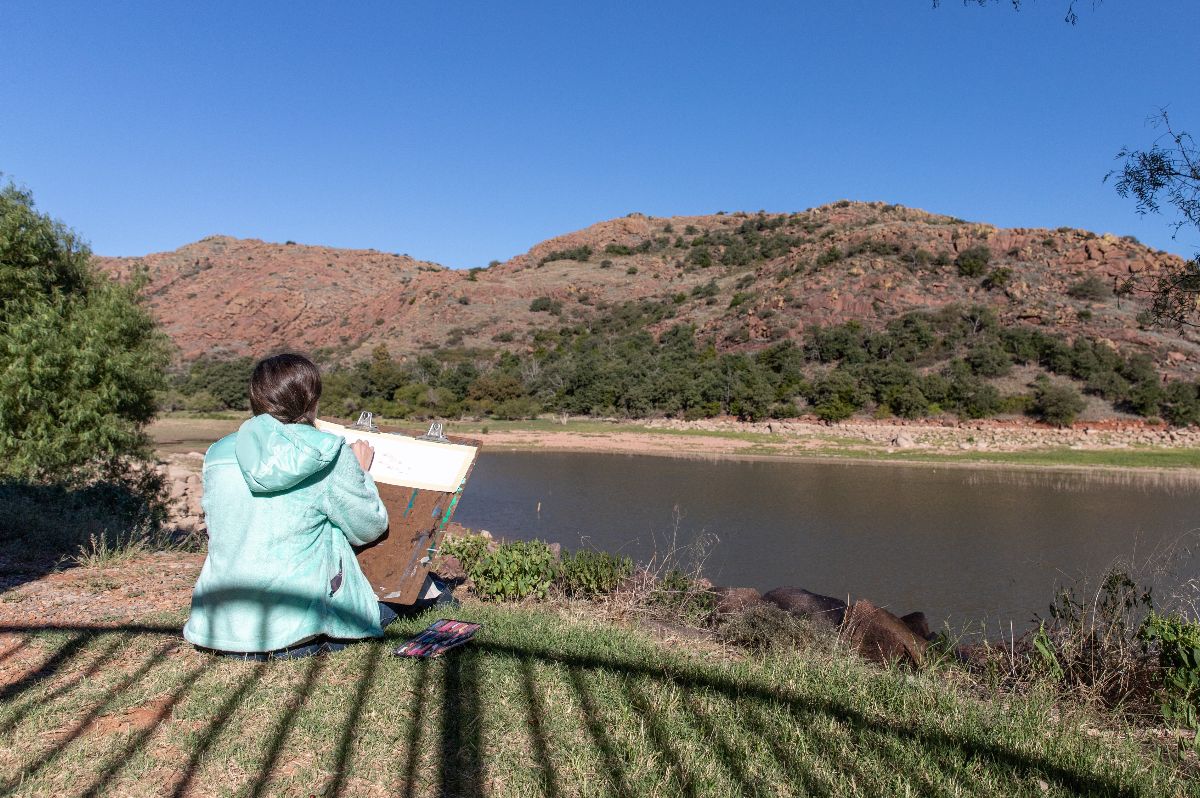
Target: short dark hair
x=287 y=387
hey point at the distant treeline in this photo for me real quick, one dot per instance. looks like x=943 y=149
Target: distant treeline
x=922 y=364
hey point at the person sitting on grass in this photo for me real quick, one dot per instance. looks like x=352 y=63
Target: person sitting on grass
x=284 y=503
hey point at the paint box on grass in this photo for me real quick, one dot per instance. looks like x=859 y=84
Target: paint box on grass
x=438 y=638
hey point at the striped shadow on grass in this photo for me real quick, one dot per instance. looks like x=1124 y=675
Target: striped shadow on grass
x=535 y=706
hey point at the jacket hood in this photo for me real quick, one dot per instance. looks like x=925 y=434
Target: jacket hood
x=274 y=456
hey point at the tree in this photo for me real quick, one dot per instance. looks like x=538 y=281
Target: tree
x=1057 y=404
x=227 y=382
x=1070 y=16
x=1169 y=171
x=80 y=358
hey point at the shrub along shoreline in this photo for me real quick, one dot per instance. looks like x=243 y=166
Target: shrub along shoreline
x=958 y=360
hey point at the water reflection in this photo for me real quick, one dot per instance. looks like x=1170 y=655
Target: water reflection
x=965 y=545
x=1177 y=482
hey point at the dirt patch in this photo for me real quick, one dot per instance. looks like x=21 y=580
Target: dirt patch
x=141 y=718
x=104 y=597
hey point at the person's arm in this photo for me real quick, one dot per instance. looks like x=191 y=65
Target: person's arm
x=351 y=500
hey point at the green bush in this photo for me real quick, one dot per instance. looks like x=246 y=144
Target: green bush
x=521 y=407
x=998 y=278
x=226 y=381
x=1177 y=641
x=836 y=396
x=43 y=522
x=1181 y=403
x=906 y=401
x=973 y=262
x=545 y=304
x=467 y=550
x=81 y=359
x=740 y=297
x=1057 y=404
x=592 y=573
x=829 y=256
x=1145 y=397
x=202 y=402
x=511 y=571
x=966 y=394
x=988 y=359
x=700 y=257
x=683 y=597
x=582 y=254
x=618 y=249
x=1110 y=385
x=1090 y=289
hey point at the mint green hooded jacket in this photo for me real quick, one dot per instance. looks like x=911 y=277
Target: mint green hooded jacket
x=284 y=503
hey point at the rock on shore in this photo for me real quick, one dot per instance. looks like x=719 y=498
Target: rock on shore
x=185 y=490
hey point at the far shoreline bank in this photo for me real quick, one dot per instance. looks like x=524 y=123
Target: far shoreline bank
x=974 y=445
x=1183 y=471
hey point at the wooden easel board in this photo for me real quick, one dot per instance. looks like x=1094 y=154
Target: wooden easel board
x=420 y=485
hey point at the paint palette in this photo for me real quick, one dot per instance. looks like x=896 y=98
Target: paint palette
x=438 y=638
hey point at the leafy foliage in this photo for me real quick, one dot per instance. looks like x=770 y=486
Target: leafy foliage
x=1057 y=404
x=505 y=572
x=545 y=304
x=683 y=596
x=81 y=360
x=973 y=262
x=46 y=521
x=581 y=253
x=609 y=364
x=227 y=382
x=1167 y=173
x=1177 y=641
x=592 y=573
x=1091 y=289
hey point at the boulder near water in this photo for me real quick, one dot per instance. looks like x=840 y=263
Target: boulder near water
x=824 y=610
x=732 y=600
x=880 y=636
x=918 y=624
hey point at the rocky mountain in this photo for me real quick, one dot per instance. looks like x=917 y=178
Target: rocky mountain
x=744 y=280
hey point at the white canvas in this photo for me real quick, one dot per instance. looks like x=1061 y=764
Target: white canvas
x=411 y=463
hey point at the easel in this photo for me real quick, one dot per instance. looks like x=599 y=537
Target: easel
x=398 y=563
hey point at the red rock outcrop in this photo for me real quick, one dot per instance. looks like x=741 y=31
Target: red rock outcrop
x=223 y=296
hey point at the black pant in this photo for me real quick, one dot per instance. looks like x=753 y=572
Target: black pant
x=319 y=645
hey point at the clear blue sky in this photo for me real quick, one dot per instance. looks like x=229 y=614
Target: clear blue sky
x=462 y=132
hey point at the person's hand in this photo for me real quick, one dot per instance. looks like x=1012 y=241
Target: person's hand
x=364 y=453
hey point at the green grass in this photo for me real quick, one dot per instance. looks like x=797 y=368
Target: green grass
x=535 y=706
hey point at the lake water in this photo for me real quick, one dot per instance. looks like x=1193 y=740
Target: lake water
x=966 y=546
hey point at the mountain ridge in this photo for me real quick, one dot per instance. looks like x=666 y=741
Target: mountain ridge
x=744 y=280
